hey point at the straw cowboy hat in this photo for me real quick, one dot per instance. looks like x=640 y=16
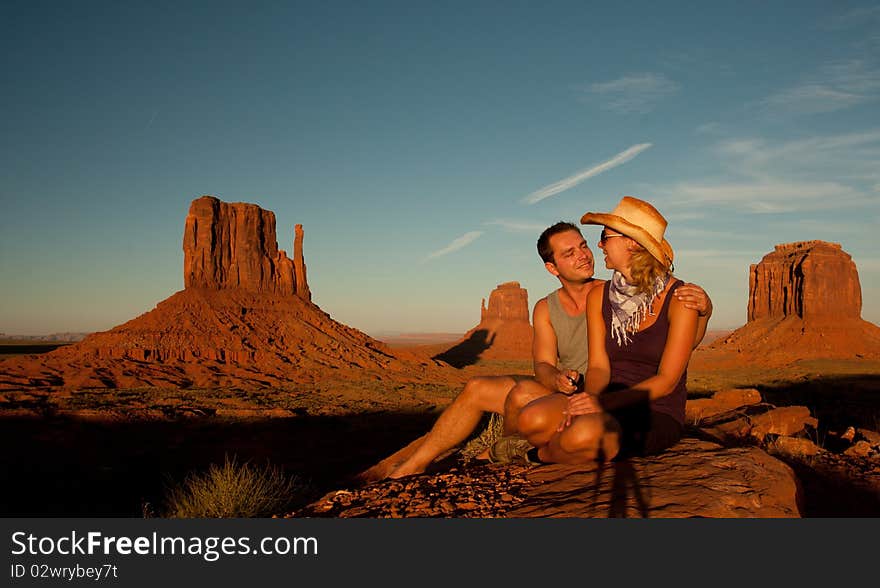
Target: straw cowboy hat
x=639 y=221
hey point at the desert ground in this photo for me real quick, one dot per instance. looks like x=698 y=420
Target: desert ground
x=113 y=452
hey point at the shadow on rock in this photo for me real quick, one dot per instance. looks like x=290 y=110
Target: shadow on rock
x=624 y=483
x=468 y=351
x=837 y=401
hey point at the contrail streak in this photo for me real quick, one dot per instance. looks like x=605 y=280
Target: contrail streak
x=457 y=244
x=572 y=181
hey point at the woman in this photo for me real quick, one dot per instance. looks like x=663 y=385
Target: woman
x=640 y=341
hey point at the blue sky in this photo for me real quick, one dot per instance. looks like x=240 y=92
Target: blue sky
x=423 y=146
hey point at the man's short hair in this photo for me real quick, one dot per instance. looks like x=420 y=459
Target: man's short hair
x=544 y=249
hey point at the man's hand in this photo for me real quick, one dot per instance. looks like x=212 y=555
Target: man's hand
x=694 y=298
x=581 y=403
x=567 y=381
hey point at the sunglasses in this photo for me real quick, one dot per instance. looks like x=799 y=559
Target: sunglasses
x=606 y=235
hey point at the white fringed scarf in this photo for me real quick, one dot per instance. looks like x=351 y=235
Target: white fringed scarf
x=629 y=307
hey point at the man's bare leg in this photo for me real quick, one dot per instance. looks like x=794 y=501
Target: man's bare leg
x=522 y=394
x=458 y=420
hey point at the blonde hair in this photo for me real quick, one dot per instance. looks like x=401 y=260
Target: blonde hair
x=644 y=269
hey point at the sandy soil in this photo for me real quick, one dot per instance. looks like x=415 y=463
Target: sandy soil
x=112 y=452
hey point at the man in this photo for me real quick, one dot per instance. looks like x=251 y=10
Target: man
x=559 y=353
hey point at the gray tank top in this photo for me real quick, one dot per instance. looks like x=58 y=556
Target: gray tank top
x=571 y=335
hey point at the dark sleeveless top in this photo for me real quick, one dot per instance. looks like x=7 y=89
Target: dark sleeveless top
x=640 y=358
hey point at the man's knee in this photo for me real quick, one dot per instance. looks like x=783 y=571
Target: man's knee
x=518 y=397
x=523 y=393
x=486 y=392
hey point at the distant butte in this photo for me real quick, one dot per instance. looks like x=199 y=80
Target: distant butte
x=504 y=330
x=507 y=303
x=244 y=319
x=805 y=302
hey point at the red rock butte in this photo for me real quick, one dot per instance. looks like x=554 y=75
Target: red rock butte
x=244 y=319
x=507 y=303
x=233 y=246
x=805 y=301
x=504 y=330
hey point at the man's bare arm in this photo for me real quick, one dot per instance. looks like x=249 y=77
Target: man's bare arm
x=598 y=364
x=545 y=352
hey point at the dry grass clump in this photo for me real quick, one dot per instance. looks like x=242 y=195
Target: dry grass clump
x=233 y=490
x=493 y=431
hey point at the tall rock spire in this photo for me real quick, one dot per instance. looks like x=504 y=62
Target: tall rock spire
x=299 y=265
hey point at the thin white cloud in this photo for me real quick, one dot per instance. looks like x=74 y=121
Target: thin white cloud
x=823 y=173
x=636 y=93
x=574 y=180
x=858 y=17
x=456 y=244
x=801 y=146
x=813 y=98
x=716 y=253
x=152 y=118
x=681 y=232
x=836 y=86
x=828 y=143
x=768 y=197
x=517 y=226
x=709 y=128
x=850 y=157
x=685 y=216
x=741 y=147
x=826 y=229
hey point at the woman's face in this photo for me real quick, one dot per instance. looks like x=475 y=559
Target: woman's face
x=616 y=248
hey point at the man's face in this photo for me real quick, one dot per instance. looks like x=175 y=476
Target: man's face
x=573 y=260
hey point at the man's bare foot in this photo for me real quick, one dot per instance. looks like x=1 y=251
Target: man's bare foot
x=402 y=470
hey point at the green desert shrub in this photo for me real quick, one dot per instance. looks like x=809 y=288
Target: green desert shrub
x=233 y=490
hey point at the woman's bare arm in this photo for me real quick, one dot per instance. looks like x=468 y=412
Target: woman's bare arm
x=673 y=363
